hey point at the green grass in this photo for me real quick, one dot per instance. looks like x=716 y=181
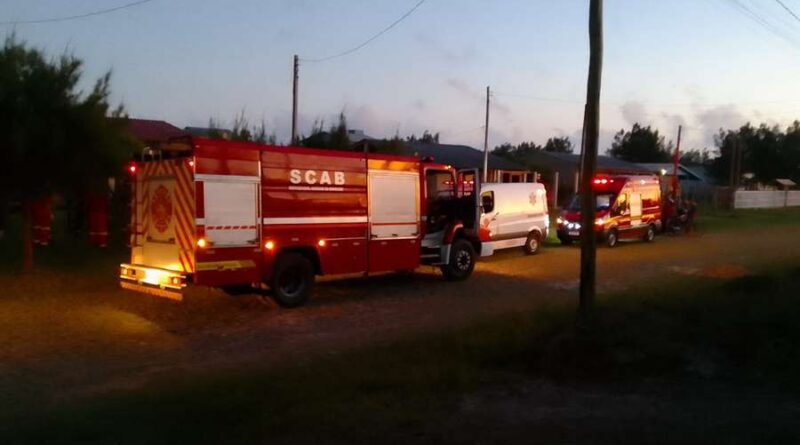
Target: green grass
x=739 y=333
x=747 y=219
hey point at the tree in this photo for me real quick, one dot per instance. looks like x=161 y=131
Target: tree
x=260 y=135
x=558 y=145
x=426 y=138
x=765 y=151
x=695 y=157
x=241 y=129
x=517 y=153
x=339 y=137
x=54 y=138
x=640 y=144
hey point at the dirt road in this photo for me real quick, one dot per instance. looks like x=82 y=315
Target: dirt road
x=65 y=335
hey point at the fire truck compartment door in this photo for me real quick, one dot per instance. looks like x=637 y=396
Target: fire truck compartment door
x=231 y=211
x=393 y=204
x=636 y=209
x=160 y=247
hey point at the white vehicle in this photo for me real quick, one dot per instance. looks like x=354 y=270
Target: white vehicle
x=513 y=215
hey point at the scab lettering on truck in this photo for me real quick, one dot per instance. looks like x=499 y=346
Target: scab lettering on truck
x=313 y=177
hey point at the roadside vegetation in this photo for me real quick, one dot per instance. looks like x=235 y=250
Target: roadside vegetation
x=735 y=335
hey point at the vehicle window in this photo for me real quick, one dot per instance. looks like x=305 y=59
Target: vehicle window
x=603 y=202
x=487 y=202
x=622 y=203
x=439 y=184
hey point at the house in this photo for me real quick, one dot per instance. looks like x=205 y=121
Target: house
x=465 y=157
x=153 y=132
x=692 y=182
x=568 y=167
x=206 y=132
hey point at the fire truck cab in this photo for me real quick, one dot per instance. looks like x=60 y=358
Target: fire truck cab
x=627 y=207
x=234 y=214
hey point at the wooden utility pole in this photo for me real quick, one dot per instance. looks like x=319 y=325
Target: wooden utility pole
x=734 y=159
x=486 y=140
x=592 y=123
x=555 y=190
x=294 y=99
x=676 y=159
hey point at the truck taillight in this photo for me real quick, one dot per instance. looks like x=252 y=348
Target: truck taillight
x=269 y=245
x=202 y=243
x=132 y=169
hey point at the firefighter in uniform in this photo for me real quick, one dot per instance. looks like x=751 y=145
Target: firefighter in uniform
x=98 y=219
x=42 y=215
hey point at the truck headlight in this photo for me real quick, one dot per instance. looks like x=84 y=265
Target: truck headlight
x=559 y=220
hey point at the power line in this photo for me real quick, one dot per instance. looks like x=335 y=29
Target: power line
x=783 y=5
x=75 y=17
x=649 y=104
x=368 y=41
x=754 y=16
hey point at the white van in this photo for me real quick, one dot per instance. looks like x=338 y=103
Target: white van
x=513 y=215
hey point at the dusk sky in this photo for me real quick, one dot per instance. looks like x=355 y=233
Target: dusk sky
x=703 y=63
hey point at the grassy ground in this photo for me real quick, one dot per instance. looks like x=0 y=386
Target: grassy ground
x=747 y=219
x=736 y=335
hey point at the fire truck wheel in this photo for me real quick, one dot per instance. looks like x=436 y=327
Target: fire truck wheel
x=532 y=243
x=462 y=261
x=292 y=280
x=650 y=235
x=611 y=238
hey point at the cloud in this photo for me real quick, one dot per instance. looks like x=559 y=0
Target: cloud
x=712 y=119
x=474 y=95
x=633 y=112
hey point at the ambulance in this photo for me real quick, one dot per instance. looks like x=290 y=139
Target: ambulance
x=514 y=215
x=627 y=207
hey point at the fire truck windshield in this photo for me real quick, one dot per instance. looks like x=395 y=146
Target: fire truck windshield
x=440 y=184
x=603 y=200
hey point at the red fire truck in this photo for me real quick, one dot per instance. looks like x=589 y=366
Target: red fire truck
x=233 y=214
x=628 y=207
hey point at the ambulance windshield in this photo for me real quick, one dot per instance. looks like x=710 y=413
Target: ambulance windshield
x=604 y=201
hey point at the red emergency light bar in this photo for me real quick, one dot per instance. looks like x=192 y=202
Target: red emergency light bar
x=602 y=181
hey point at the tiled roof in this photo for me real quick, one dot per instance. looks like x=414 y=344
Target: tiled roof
x=153 y=131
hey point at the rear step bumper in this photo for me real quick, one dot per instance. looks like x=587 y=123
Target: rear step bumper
x=154 y=281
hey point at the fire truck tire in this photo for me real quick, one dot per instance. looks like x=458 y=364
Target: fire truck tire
x=462 y=261
x=650 y=234
x=292 y=280
x=612 y=238
x=533 y=243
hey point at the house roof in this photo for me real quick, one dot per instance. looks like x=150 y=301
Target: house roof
x=205 y=132
x=461 y=156
x=153 y=131
x=668 y=167
x=605 y=164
